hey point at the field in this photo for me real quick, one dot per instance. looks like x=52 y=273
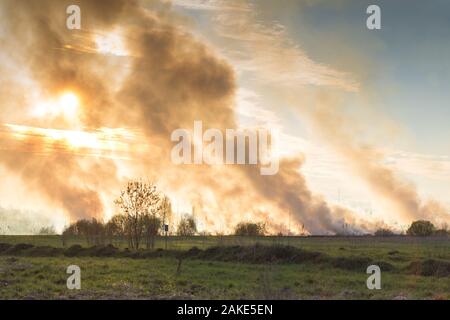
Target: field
x=227 y=268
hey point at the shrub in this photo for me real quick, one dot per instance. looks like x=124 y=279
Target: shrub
x=47 y=231
x=442 y=233
x=250 y=229
x=93 y=230
x=187 y=226
x=383 y=232
x=421 y=228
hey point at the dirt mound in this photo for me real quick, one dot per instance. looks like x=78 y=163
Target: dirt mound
x=430 y=268
x=102 y=251
x=73 y=251
x=149 y=254
x=359 y=263
x=18 y=248
x=255 y=254
x=4 y=247
x=385 y=266
x=351 y=263
x=95 y=251
x=107 y=251
x=44 y=251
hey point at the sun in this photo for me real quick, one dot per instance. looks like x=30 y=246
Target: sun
x=68 y=103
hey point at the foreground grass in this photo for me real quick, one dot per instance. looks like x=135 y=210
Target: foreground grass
x=114 y=278
x=23 y=277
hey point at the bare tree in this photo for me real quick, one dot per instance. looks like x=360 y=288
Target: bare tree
x=165 y=211
x=116 y=227
x=93 y=230
x=152 y=226
x=138 y=201
x=187 y=226
x=155 y=219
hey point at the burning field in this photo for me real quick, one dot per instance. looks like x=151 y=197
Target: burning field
x=100 y=105
x=86 y=110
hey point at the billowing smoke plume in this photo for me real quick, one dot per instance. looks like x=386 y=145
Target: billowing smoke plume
x=168 y=81
x=280 y=61
x=35 y=37
x=367 y=163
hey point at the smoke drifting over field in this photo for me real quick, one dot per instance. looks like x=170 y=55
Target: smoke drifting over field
x=167 y=80
x=367 y=163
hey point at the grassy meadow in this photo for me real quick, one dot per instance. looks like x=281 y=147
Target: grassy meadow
x=228 y=267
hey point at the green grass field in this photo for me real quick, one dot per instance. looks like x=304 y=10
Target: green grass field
x=39 y=277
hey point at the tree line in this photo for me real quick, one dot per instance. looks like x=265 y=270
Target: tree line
x=147 y=213
x=419 y=228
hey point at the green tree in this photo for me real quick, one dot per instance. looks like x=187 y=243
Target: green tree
x=421 y=228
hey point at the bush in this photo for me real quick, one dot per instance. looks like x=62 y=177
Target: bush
x=47 y=231
x=442 y=233
x=421 y=228
x=93 y=230
x=187 y=226
x=383 y=232
x=250 y=229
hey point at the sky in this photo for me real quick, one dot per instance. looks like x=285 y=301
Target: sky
x=363 y=114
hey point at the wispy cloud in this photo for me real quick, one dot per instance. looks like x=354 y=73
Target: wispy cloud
x=257 y=46
x=429 y=166
x=212 y=5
